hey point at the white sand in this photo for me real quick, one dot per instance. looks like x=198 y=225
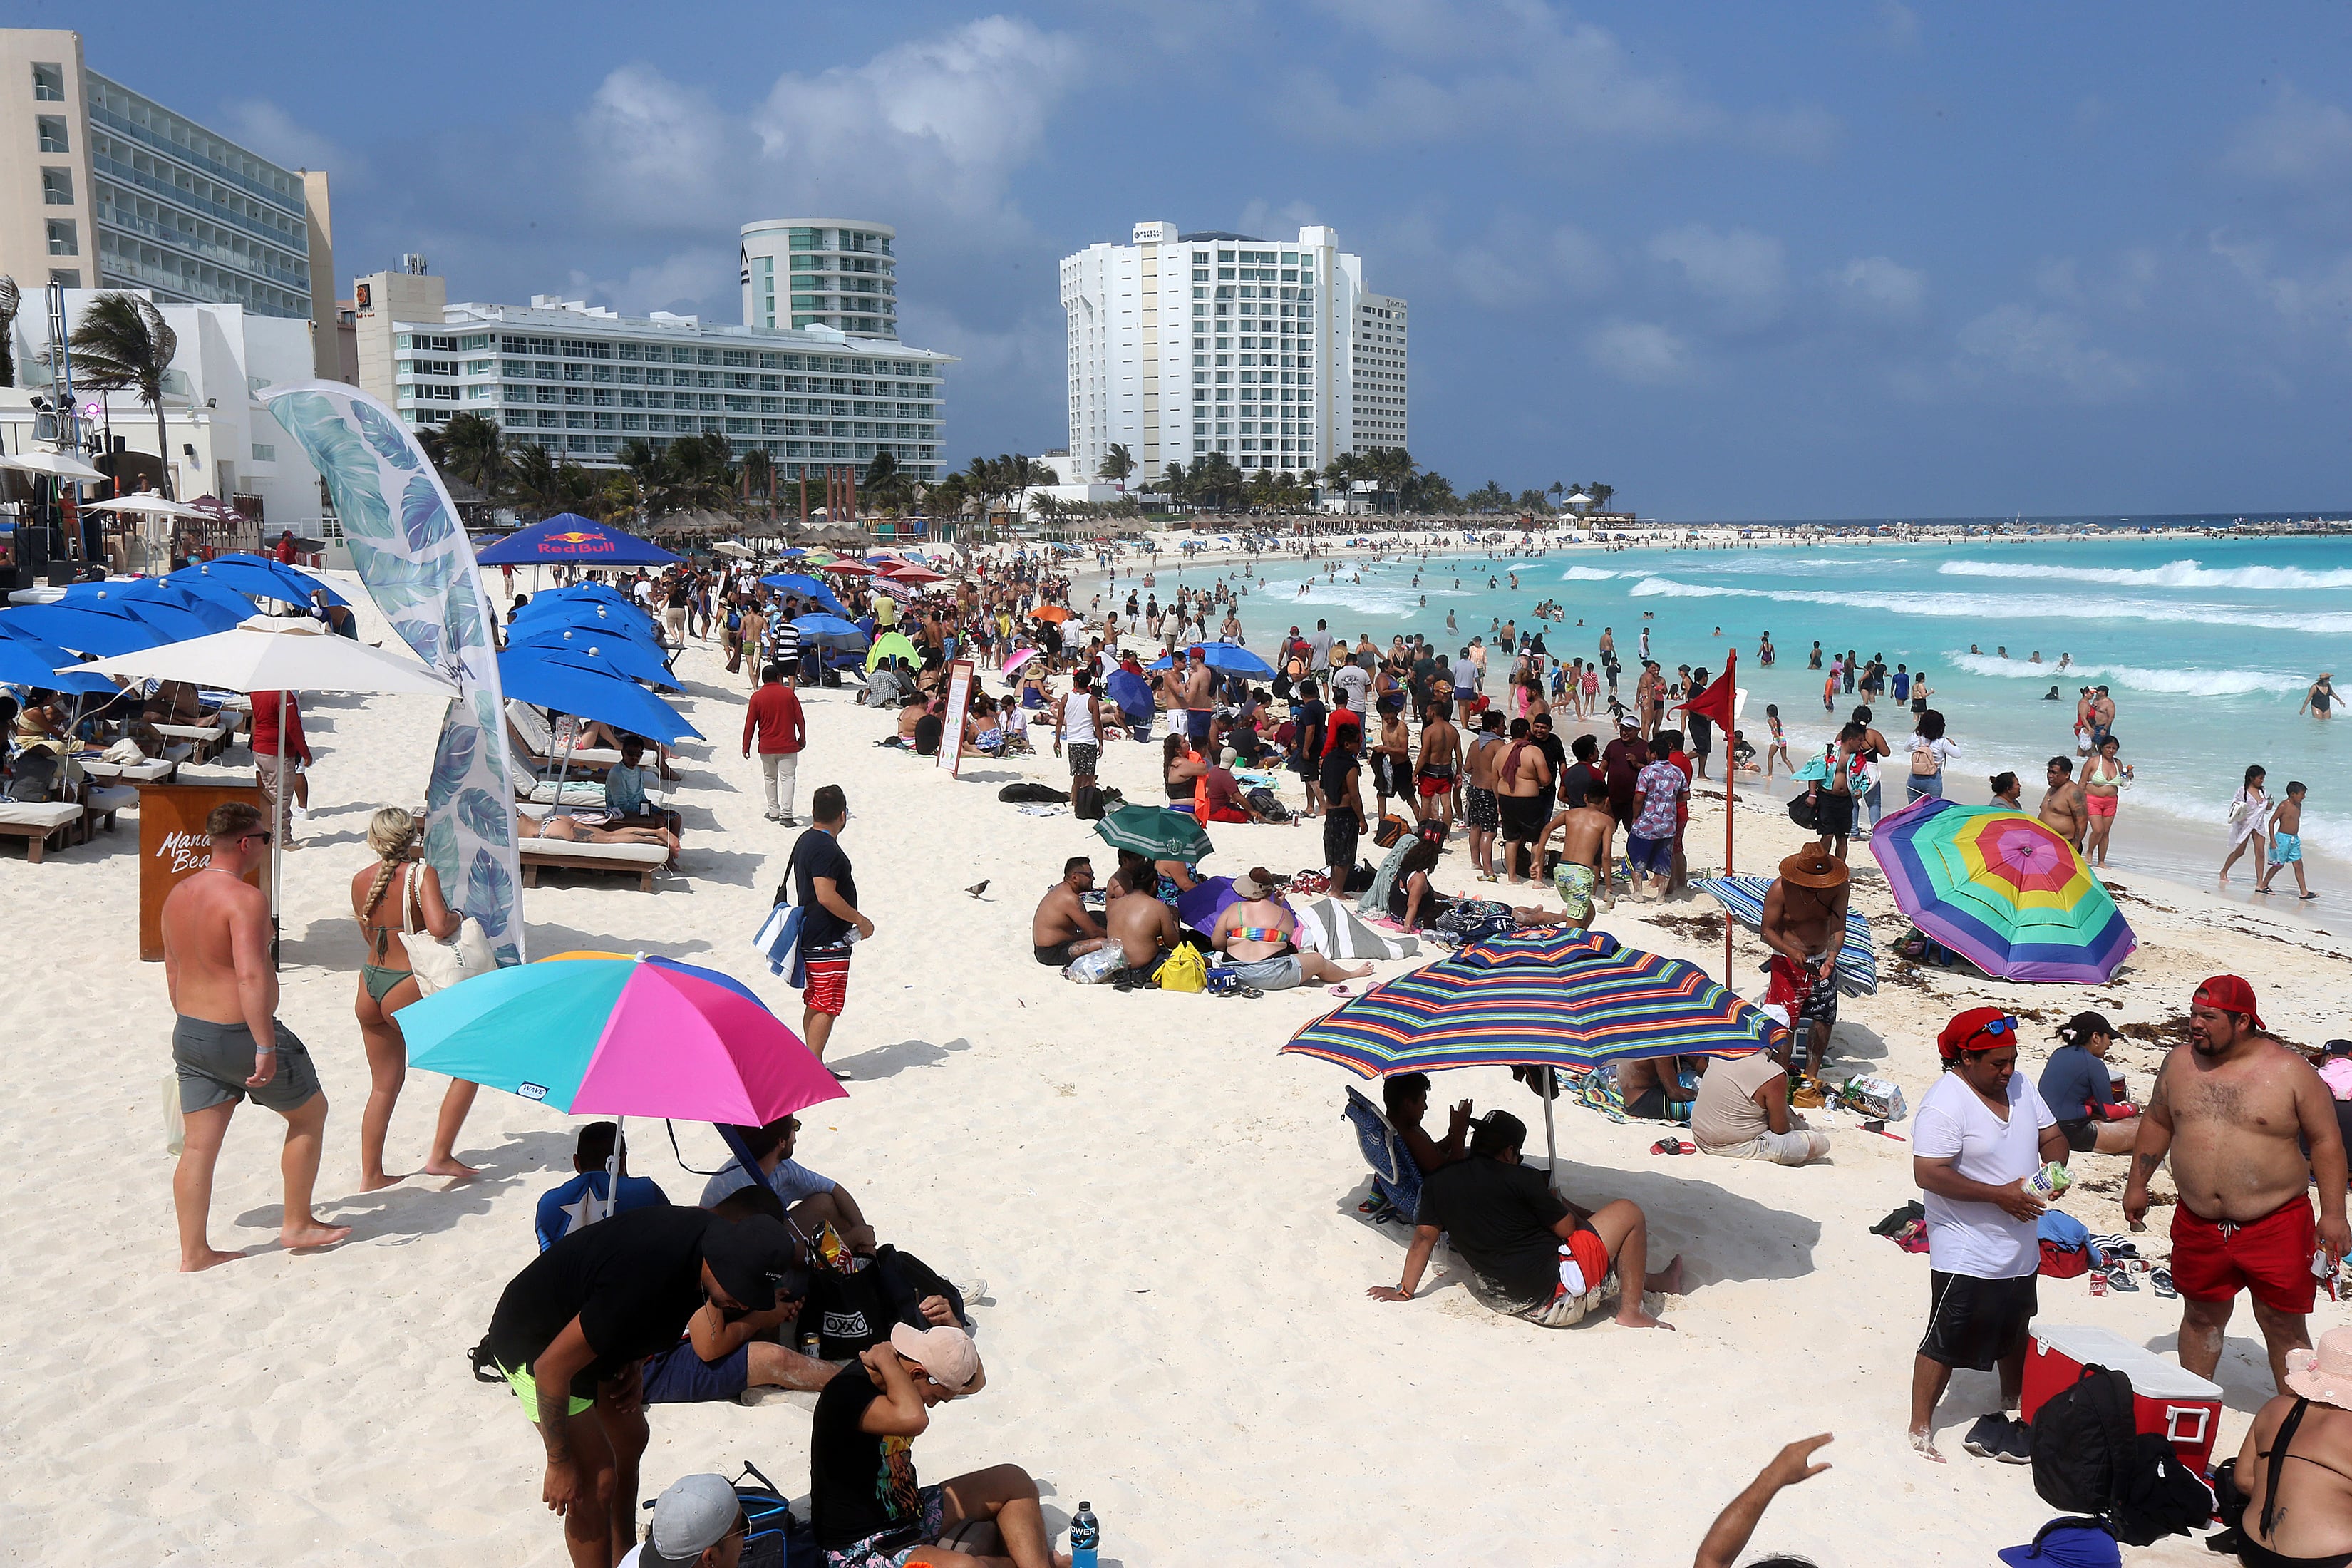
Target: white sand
x=1176 y=1326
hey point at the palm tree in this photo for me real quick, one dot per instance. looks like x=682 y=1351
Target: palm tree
x=472 y=448
x=759 y=476
x=124 y=342
x=537 y=483
x=1600 y=494
x=1116 y=465
x=1558 y=488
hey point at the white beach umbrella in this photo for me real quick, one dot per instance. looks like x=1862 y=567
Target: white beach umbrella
x=56 y=465
x=266 y=655
x=149 y=505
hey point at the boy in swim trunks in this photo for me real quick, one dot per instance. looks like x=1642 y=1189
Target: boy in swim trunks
x=2286 y=842
x=1581 y=877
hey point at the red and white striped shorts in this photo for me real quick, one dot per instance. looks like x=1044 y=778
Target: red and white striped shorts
x=829 y=981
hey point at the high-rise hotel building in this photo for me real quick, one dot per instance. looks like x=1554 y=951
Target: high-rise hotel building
x=1272 y=354
x=834 y=272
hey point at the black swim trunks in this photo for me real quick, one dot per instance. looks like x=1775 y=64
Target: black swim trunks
x=1057 y=954
x=1522 y=817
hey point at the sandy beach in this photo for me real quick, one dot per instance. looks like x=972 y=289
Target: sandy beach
x=1175 y=1325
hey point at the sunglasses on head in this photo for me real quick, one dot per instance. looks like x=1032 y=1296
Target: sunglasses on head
x=1998 y=1029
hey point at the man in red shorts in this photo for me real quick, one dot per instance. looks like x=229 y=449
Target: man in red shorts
x=2228 y=1108
x=819 y=879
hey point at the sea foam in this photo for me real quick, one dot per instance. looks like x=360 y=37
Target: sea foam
x=1992 y=609
x=2181 y=682
x=2172 y=574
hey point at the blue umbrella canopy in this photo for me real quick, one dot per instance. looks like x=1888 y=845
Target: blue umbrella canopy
x=259 y=576
x=579 y=682
x=101 y=618
x=217 y=605
x=1226 y=656
x=603 y=593
x=831 y=631
x=807 y=588
x=628 y=657
x=581 y=541
x=26 y=662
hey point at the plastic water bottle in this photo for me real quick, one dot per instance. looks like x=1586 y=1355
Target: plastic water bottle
x=1086 y=1536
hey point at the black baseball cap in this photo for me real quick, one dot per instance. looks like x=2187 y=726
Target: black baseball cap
x=749 y=1256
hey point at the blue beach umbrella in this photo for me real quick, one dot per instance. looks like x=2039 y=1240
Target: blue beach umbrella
x=103 y=623
x=256 y=576
x=587 y=684
x=581 y=541
x=26 y=662
x=1229 y=656
x=625 y=656
x=831 y=632
x=807 y=588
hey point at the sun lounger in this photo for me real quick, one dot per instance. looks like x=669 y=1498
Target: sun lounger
x=542 y=792
x=209 y=739
x=156 y=770
x=100 y=802
x=535 y=743
x=1394 y=1175
x=640 y=860
x=42 y=825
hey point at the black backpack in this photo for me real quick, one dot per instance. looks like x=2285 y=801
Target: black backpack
x=2089 y=1458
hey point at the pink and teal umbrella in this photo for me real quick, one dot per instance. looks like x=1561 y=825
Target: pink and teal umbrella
x=2002 y=890
x=602 y=1034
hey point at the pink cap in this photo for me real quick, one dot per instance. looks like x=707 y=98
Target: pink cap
x=947 y=1354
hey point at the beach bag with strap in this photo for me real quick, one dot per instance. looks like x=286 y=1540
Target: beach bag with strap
x=1184 y=971
x=437 y=964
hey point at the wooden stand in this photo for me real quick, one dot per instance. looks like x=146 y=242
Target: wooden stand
x=173 y=845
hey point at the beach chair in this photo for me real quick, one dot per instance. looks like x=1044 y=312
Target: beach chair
x=1396 y=1180
x=535 y=745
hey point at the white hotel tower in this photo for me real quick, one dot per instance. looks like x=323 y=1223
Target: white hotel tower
x=1272 y=355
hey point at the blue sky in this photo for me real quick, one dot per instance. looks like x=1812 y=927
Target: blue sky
x=1738 y=261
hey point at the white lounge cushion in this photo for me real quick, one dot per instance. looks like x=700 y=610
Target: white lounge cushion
x=193 y=732
x=51 y=814
x=151 y=771
x=576 y=792
x=624 y=854
x=113 y=797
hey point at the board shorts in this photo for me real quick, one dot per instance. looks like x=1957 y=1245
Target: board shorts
x=520 y=1380
x=213 y=1061
x=1340 y=834
x=1085 y=757
x=1654 y=857
x=1478 y=806
x=1832 y=815
x=1196 y=723
x=2213 y=1260
x=1284 y=972
x=1574 y=884
x=828 y=979
x=1434 y=783
x=2286 y=849
x=2100 y=804
x=872 y=1552
x=679 y=1376
x=1521 y=817
x=1803 y=997
x=1583 y=1254
x=1974 y=1322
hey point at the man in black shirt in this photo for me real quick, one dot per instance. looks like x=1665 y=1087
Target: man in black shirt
x=1576 y=779
x=819 y=880
x=1306 y=714
x=1343 y=815
x=571 y=1331
x=1531 y=1255
x=1540 y=730
x=866 y=1506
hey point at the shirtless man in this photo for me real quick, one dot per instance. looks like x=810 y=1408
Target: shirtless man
x=1138 y=919
x=1440 y=765
x=1522 y=790
x=224 y=989
x=1063 y=929
x=1392 y=758
x=1805 y=925
x=1200 y=696
x=2228 y=1108
x=1581 y=877
x=1478 y=808
x=2061 y=804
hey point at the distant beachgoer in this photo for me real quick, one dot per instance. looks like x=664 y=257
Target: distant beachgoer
x=2062 y=803
x=2286 y=842
x=397 y=900
x=775 y=717
x=818 y=878
x=2249 y=820
x=223 y=992
x=2320 y=699
x=1777 y=746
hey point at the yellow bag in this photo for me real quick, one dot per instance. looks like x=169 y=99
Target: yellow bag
x=1184 y=971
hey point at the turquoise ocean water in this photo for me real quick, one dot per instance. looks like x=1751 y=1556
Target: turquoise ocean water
x=2207 y=646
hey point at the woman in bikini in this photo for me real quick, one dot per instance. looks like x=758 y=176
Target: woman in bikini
x=2249 y=811
x=398 y=898
x=2103 y=778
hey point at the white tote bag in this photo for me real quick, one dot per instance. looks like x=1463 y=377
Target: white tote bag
x=437 y=964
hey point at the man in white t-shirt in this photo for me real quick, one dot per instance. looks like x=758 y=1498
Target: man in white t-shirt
x=1981 y=1131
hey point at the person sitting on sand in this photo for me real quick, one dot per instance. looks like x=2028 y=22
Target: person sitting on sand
x=1532 y=1256
x=1259 y=936
x=1064 y=928
x=1140 y=919
x=1742 y=1113
x=724 y=1356
x=811 y=1202
x=1406 y=1097
x=2081 y=1093
x=1418 y=906
x=865 y=1505
x=580 y=1201
x=1651 y=1087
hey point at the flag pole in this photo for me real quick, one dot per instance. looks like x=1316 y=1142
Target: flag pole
x=1730 y=791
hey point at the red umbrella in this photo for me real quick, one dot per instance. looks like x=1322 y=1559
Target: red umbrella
x=848 y=568
x=909 y=573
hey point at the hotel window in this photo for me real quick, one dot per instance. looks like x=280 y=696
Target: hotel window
x=61 y=238
x=48 y=84
x=52 y=129
x=57 y=187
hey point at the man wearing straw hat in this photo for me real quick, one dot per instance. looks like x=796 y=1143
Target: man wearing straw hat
x=2299 y=1514
x=2233 y=1111
x=1805 y=925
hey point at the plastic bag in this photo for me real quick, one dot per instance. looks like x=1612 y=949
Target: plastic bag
x=175 y=1128
x=1094 y=968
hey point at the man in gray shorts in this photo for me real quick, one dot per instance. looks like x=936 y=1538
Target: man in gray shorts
x=225 y=992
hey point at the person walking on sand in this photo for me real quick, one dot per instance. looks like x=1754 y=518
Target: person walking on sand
x=2233 y=1110
x=2103 y=777
x=224 y=992
x=2249 y=821
x=818 y=875
x=395 y=900
x=1981 y=1131
x=774 y=715
x=2320 y=699
x=2286 y=842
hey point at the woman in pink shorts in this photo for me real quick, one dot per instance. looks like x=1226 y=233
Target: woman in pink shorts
x=2103 y=783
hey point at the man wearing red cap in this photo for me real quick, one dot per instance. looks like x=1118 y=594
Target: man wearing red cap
x=2230 y=1108
x=1982 y=1129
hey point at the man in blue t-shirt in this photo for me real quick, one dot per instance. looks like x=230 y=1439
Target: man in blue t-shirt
x=580 y=1201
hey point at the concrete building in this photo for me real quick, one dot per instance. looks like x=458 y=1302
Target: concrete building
x=1274 y=355
x=102 y=186
x=834 y=272
x=580 y=380
x=218 y=437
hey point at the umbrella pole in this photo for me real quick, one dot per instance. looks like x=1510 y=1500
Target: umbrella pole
x=612 y=1168
x=277 y=838
x=1552 y=1149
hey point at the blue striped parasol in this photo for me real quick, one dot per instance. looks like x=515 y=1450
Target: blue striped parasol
x=1858 y=962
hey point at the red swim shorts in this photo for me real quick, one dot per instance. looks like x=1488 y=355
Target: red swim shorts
x=2213 y=1260
x=828 y=983
x=1432 y=786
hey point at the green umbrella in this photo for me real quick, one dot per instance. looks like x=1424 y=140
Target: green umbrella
x=891 y=645
x=1155 y=831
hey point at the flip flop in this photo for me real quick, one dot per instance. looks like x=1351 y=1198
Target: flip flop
x=2120 y=1278
x=1673 y=1146
x=2160 y=1282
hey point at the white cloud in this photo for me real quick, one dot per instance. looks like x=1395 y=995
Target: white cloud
x=263 y=126
x=1880 y=286
x=658 y=154
x=2297 y=142
x=1641 y=353
x=1738 y=268
x=2317 y=299
x=2046 y=348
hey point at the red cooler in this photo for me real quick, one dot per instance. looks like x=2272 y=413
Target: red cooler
x=2166 y=1398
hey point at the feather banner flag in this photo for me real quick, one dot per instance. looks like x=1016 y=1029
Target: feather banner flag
x=412 y=554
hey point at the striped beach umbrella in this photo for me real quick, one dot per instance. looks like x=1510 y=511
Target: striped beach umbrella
x=2002 y=890
x=1742 y=899
x=1569 y=1003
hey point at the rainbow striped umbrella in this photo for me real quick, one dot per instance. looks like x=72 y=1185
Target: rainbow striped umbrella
x=1572 y=1003
x=2002 y=890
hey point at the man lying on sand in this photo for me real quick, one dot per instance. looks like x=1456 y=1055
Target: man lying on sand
x=1531 y=1255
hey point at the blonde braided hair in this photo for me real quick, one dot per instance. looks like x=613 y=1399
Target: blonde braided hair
x=392 y=834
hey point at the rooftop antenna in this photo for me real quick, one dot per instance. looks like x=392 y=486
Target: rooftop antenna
x=413 y=263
